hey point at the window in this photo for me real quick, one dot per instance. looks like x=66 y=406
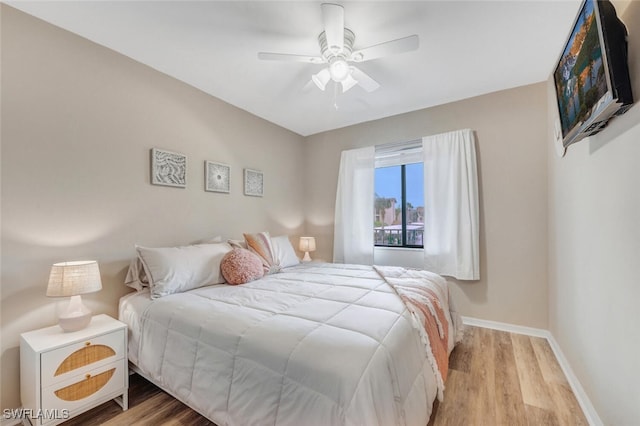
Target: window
x=399 y=206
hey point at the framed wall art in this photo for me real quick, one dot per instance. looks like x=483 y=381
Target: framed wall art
x=216 y=177
x=253 y=183
x=168 y=168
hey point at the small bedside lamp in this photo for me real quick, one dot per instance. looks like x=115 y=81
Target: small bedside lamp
x=73 y=279
x=307 y=244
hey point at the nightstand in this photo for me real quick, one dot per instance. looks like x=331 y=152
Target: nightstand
x=65 y=374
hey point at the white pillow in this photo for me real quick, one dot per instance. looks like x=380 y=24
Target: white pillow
x=177 y=269
x=212 y=240
x=283 y=251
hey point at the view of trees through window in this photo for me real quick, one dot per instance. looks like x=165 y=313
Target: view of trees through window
x=399 y=206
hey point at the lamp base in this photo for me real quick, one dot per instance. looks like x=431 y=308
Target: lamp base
x=74 y=323
x=306 y=257
x=76 y=317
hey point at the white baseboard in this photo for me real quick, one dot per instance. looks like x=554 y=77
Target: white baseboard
x=579 y=392
x=587 y=408
x=511 y=328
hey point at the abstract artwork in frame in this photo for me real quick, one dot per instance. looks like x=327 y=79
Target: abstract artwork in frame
x=216 y=177
x=253 y=183
x=168 y=168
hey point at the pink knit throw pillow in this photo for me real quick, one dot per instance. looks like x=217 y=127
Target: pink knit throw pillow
x=240 y=266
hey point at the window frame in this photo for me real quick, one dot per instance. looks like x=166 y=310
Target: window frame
x=403 y=202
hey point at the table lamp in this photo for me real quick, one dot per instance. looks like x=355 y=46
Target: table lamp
x=73 y=279
x=307 y=244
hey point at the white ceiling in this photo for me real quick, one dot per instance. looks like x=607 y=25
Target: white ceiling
x=467 y=48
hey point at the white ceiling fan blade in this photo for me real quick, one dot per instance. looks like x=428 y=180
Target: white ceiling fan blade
x=308 y=86
x=366 y=82
x=405 y=44
x=266 y=56
x=333 y=21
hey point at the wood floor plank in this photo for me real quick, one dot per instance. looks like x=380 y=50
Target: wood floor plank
x=549 y=366
x=508 y=395
x=495 y=378
x=462 y=354
x=140 y=412
x=483 y=377
x=539 y=416
x=532 y=384
x=566 y=405
x=98 y=415
x=163 y=414
x=454 y=410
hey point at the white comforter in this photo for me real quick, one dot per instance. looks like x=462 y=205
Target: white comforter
x=318 y=344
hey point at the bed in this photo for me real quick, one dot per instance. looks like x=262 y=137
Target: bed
x=314 y=344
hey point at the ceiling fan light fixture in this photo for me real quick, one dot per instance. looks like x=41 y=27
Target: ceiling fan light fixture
x=339 y=69
x=322 y=78
x=336 y=50
x=348 y=83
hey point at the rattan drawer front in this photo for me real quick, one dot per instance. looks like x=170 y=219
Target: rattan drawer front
x=85 y=388
x=62 y=363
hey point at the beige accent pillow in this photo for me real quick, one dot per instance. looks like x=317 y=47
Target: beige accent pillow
x=260 y=244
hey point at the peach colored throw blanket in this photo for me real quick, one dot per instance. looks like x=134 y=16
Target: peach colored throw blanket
x=426 y=296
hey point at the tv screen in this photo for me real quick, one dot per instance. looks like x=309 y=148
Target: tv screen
x=581 y=75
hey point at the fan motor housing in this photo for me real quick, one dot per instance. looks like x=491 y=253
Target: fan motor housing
x=349 y=38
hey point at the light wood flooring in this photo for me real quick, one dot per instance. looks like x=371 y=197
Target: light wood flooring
x=495 y=378
x=499 y=378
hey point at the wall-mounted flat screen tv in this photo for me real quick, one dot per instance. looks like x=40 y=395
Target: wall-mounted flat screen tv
x=592 y=76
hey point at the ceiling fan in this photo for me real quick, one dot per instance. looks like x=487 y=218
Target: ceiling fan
x=336 y=50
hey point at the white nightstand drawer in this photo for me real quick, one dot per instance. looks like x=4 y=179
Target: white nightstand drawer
x=77 y=392
x=63 y=363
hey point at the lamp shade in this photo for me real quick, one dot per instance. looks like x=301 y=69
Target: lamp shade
x=348 y=83
x=74 y=278
x=307 y=244
x=322 y=78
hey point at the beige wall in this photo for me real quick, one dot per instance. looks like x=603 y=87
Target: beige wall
x=594 y=253
x=511 y=136
x=78 y=121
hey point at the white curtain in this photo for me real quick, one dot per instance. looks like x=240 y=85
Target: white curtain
x=353 y=230
x=451 y=216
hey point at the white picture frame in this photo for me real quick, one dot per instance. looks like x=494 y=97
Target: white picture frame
x=253 y=183
x=217 y=177
x=168 y=168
